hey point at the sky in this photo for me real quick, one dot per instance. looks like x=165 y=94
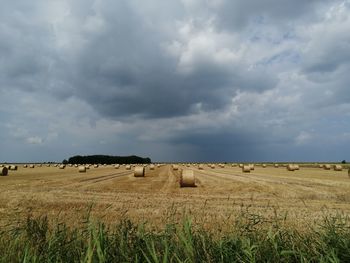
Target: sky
x=181 y=80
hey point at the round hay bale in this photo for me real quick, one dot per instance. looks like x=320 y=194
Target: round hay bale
x=321 y=166
x=263 y=165
x=25 y=166
x=187 y=178
x=31 y=166
x=290 y=167
x=327 y=166
x=3 y=171
x=87 y=166
x=276 y=165
x=246 y=169
x=139 y=171
x=152 y=167
x=222 y=165
x=95 y=165
x=200 y=167
x=116 y=166
x=338 y=167
x=158 y=165
x=251 y=167
x=240 y=165
x=82 y=169
x=62 y=166
x=212 y=166
x=296 y=167
x=128 y=167
x=13 y=167
x=234 y=165
x=175 y=167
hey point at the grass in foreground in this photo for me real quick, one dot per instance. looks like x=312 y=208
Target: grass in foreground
x=37 y=240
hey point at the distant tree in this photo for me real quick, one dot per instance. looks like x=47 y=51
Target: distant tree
x=65 y=161
x=343 y=161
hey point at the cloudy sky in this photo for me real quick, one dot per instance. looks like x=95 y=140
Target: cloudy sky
x=181 y=80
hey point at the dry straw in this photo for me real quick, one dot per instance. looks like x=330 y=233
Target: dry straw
x=187 y=178
x=338 y=167
x=3 y=171
x=13 y=167
x=246 y=169
x=139 y=171
x=327 y=166
x=82 y=169
x=290 y=167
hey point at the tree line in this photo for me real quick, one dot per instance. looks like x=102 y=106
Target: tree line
x=106 y=159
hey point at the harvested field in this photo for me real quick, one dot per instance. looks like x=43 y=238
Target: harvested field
x=219 y=195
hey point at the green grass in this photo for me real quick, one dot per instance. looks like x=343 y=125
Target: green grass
x=39 y=240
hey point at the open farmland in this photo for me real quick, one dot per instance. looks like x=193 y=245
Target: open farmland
x=220 y=195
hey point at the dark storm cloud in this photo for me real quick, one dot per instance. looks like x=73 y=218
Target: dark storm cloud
x=217 y=79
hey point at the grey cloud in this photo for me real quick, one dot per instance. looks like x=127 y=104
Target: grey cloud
x=261 y=73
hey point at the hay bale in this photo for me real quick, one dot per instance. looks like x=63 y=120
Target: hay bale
x=290 y=167
x=62 y=166
x=338 y=167
x=327 y=166
x=82 y=169
x=3 y=171
x=200 y=167
x=263 y=165
x=31 y=166
x=296 y=167
x=158 y=165
x=175 y=167
x=276 y=165
x=221 y=165
x=95 y=165
x=240 y=165
x=152 y=167
x=13 y=167
x=25 y=166
x=212 y=166
x=128 y=167
x=139 y=171
x=321 y=166
x=116 y=166
x=251 y=167
x=246 y=169
x=187 y=178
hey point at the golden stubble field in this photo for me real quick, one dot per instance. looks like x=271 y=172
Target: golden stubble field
x=221 y=194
